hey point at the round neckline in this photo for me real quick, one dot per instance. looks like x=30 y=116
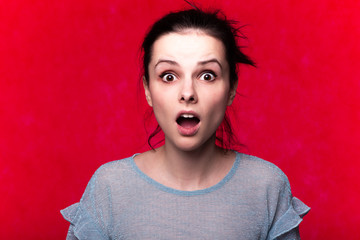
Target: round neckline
x=164 y=188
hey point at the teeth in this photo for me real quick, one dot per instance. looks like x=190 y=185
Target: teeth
x=187 y=115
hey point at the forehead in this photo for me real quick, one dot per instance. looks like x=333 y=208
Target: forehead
x=189 y=45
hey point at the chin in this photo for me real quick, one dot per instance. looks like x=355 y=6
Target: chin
x=189 y=144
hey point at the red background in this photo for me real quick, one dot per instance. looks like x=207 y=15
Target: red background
x=70 y=101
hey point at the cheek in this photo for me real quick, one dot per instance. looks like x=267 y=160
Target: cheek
x=160 y=105
x=220 y=98
x=218 y=104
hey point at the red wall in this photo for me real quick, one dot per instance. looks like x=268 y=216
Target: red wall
x=70 y=101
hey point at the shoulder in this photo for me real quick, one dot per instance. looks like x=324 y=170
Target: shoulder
x=260 y=171
x=112 y=171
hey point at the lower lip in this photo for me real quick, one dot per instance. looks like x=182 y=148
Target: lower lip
x=188 y=131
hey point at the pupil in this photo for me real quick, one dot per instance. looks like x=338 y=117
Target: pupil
x=169 y=77
x=207 y=77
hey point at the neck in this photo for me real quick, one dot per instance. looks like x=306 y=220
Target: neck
x=192 y=170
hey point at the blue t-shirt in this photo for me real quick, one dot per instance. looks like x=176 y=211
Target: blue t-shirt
x=253 y=201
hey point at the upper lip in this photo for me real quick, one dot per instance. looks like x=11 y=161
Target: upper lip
x=188 y=113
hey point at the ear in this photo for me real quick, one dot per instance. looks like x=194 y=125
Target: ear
x=147 y=92
x=232 y=93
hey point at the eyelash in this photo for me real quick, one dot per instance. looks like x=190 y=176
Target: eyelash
x=213 y=76
x=167 y=73
x=208 y=72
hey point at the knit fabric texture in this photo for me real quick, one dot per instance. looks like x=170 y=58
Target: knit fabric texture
x=253 y=201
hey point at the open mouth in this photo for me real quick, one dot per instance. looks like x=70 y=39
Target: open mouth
x=187 y=120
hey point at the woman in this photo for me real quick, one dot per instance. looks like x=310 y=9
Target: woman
x=189 y=188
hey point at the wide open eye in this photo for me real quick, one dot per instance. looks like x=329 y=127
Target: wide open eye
x=208 y=76
x=168 y=77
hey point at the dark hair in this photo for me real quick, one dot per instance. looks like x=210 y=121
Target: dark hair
x=214 y=24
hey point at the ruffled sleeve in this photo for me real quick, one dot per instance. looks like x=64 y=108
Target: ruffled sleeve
x=286 y=227
x=91 y=217
x=82 y=226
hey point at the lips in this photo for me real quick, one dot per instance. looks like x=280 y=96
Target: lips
x=188 y=123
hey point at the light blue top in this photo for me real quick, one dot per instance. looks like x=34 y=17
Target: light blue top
x=253 y=201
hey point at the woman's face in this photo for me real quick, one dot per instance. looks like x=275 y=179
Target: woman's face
x=189 y=87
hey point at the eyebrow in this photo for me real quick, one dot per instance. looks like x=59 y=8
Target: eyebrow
x=166 y=61
x=171 y=62
x=213 y=60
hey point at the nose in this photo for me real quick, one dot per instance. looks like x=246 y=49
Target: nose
x=188 y=92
